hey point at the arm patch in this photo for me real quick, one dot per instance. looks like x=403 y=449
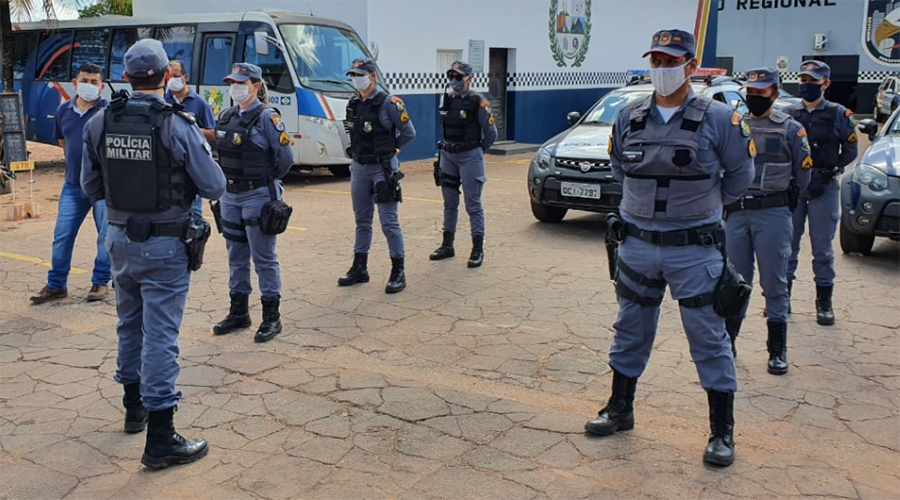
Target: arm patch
x=276 y=120
x=398 y=103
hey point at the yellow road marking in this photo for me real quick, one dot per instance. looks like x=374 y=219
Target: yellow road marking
x=523 y=161
x=295 y=228
x=35 y=260
x=329 y=191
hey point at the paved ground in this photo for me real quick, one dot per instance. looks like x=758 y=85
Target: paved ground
x=470 y=384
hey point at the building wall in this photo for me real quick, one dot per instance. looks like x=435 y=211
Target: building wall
x=408 y=34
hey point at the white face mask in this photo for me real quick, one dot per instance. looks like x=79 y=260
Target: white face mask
x=87 y=92
x=175 y=84
x=667 y=80
x=240 y=93
x=360 y=83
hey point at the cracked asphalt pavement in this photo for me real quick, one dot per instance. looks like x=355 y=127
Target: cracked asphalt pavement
x=470 y=384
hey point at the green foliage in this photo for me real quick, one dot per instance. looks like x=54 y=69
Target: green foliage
x=107 y=7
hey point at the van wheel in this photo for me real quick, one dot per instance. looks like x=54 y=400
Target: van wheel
x=340 y=171
x=544 y=213
x=855 y=243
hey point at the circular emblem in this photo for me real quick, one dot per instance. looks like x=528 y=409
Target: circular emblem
x=570 y=31
x=585 y=166
x=752 y=77
x=367 y=127
x=665 y=39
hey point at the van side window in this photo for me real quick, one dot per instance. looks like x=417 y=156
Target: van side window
x=23 y=45
x=178 y=41
x=121 y=40
x=217 y=59
x=274 y=71
x=54 y=54
x=91 y=46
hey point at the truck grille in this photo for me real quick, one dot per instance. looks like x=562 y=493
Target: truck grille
x=573 y=164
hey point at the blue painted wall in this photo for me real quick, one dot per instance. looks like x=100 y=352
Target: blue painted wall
x=532 y=117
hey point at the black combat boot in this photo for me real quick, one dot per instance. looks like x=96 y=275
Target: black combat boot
x=824 y=313
x=358 y=273
x=777 y=345
x=445 y=251
x=720 y=450
x=135 y=413
x=733 y=327
x=618 y=415
x=477 y=256
x=166 y=447
x=271 y=325
x=238 y=316
x=397 y=281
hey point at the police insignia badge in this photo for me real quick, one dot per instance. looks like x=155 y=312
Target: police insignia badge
x=609 y=146
x=404 y=117
x=463 y=114
x=807 y=163
x=491 y=120
x=276 y=120
x=751 y=149
x=745 y=129
x=852 y=138
x=367 y=127
x=236 y=139
x=735 y=119
x=284 y=139
x=398 y=102
x=805 y=144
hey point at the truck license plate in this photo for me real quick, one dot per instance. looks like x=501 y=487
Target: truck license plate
x=574 y=190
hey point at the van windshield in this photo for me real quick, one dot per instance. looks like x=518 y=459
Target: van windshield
x=322 y=55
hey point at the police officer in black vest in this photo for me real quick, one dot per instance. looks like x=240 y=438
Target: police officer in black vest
x=149 y=160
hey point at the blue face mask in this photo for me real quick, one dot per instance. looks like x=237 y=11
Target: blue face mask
x=458 y=85
x=810 y=91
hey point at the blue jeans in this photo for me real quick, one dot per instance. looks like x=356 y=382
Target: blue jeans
x=73 y=208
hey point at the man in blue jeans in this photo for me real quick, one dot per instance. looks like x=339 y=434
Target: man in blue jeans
x=74 y=206
x=178 y=92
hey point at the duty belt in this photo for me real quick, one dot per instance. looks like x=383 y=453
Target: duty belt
x=760 y=202
x=173 y=229
x=707 y=236
x=235 y=187
x=460 y=147
x=370 y=159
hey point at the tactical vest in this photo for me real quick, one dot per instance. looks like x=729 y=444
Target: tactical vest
x=663 y=175
x=139 y=173
x=239 y=157
x=774 y=168
x=459 y=117
x=819 y=126
x=370 y=141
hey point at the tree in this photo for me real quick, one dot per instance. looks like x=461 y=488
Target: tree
x=107 y=7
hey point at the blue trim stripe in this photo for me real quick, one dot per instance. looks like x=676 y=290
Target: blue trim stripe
x=308 y=104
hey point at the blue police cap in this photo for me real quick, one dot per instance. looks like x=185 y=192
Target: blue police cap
x=146 y=58
x=362 y=66
x=241 y=72
x=675 y=43
x=461 y=67
x=815 y=69
x=761 y=78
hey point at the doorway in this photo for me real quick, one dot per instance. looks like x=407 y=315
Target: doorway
x=497 y=70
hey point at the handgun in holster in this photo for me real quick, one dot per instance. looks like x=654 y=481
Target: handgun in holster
x=438 y=175
x=732 y=292
x=216 y=208
x=195 y=237
x=388 y=190
x=615 y=235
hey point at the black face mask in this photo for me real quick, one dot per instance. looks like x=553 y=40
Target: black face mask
x=758 y=105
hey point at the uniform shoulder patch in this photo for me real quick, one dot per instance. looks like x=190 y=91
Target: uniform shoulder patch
x=745 y=129
x=852 y=138
x=276 y=120
x=491 y=120
x=848 y=113
x=187 y=116
x=284 y=139
x=807 y=163
x=804 y=144
x=736 y=118
x=751 y=149
x=404 y=117
x=398 y=103
x=801 y=132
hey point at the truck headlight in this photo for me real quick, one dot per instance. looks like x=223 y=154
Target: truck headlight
x=871 y=177
x=542 y=159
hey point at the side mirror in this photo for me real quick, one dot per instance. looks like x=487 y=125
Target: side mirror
x=261 y=43
x=573 y=117
x=869 y=127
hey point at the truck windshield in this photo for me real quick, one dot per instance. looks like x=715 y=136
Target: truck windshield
x=322 y=55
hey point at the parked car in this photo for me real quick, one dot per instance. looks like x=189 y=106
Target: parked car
x=571 y=170
x=887 y=97
x=870 y=190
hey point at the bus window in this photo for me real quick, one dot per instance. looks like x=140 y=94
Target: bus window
x=274 y=71
x=121 y=40
x=54 y=54
x=217 y=58
x=91 y=46
x=22 y=46
x=178 y=41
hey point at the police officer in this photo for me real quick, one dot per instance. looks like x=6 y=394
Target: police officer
x=679 y=156
x=379 y=128
x=832 y=135
x=254 y=152
x=148 y=161
x=468 y=132
x=759 y=223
